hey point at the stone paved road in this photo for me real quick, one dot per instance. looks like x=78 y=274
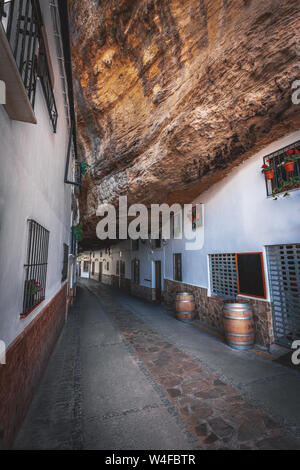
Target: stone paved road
x=119 y=380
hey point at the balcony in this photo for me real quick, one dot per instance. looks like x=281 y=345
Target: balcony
x=282 y=180
x=20 y=24
x=24 y=59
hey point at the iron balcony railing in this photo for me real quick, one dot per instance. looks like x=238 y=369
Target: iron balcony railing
x=282 y=180
x=22 y=23
x=44 y=76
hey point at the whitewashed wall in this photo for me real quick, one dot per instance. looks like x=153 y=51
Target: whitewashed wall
x=237 y=217
x=32 y=185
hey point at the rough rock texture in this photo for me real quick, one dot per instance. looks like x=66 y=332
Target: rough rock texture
x=172 y=93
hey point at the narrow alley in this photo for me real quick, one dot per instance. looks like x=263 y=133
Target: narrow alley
x=125 y=374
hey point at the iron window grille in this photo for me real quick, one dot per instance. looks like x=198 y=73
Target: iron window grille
x=282 y=181
x=122 y=269
x=65 y=262
x=136 y=271
x=22 y=22
x=73 y=248
x=135 y=244
x=46 y=82
x=284 y=280
x=36 y=267
x=223 y=275
x=177 y=262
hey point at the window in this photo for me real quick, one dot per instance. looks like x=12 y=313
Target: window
x=118 y=268
x=122 y=269
x=177 y=261
x=107 y=266
x=279 y=179
x=136 y=271
x=36 y=267
x=46 y=82
x=223 y=275
x=93 y=268
x=65 y=262
x=85 y=266
x=196 y=216
x=135 y=245
x=22 y=24
x=156 y=243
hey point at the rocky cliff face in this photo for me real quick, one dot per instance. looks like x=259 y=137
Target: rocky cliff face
x=172 y=93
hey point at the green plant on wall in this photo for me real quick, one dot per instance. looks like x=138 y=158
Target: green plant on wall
x=78 y=232
x=285 y=186
x=84 y=167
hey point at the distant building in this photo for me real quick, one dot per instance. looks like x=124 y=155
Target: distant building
x=248 y=248
x=37 y=205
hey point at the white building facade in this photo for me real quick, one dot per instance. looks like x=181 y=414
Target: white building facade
x=247 y=247
x=36 y=213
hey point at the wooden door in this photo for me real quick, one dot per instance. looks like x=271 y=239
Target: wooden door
x=100 y=271
x=157 y=281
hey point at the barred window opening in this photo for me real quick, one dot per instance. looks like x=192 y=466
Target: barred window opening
x=65 y=262
x=223 y=275
x=36 y=266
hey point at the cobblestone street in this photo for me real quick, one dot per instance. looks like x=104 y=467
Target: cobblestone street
x=126 y=375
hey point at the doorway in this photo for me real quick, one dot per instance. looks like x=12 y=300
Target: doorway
x=100 y=271
x=157 y=281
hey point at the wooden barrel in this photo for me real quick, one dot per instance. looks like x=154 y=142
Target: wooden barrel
x=238 y=324
x=185 y=306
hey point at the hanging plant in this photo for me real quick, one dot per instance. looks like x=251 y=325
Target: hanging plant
x=291 y=156
x=78 y=232
x=84 y=167
x=285 y=186
x=267 y=170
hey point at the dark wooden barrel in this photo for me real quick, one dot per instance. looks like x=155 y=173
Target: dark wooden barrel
x=238 y=324
x=185 y=306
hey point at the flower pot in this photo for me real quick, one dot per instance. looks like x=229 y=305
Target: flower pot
x=289 y=167
x=269 y=174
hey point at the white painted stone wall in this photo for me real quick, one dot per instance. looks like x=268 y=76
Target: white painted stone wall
x=32 y=185
x=238 y=217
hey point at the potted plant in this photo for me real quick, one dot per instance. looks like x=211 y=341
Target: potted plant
x=267 y=170
x=84 y=166
x=291 y=157
x=32 y=287
x=285 y=186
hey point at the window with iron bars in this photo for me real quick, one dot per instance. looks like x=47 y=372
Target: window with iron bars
x=280 y=180
x=22 y=22
x=177 y=266
x=36 y=266
x=135 y=267
x=65 y=262
x=223 y=275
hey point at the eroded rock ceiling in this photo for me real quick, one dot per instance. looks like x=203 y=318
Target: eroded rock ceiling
x=170 y=94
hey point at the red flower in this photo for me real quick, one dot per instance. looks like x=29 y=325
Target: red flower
x=264 y=166
x=289 y=152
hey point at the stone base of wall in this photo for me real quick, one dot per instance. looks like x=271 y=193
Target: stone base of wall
x=142 y=291
x=209 y=310
x=262 y=314
x=26 y=359
x=106 y=279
